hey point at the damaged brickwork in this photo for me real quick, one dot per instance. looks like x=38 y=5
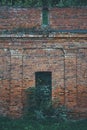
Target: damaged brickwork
x=62 y=54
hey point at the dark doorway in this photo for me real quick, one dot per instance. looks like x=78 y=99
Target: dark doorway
x=43 y=87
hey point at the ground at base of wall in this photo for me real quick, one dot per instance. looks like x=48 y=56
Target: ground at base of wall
x=30 y=124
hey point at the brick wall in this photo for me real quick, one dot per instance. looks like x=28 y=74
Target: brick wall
x=59 y=18
x=68 y=18
x=20 y=60
x=65 y=55
x=14 y=18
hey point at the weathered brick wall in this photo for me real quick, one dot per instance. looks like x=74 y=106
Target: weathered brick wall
x=21 y=58
x=68 y=18
x=59 y=18
x=17 y=18
x=65 y=55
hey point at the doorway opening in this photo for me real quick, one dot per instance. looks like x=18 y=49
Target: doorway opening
x=43 y=81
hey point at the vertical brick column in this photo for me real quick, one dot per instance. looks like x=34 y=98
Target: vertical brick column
x=70 y=80
x=16 y=105
x=82 y=77
x=4 y=81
